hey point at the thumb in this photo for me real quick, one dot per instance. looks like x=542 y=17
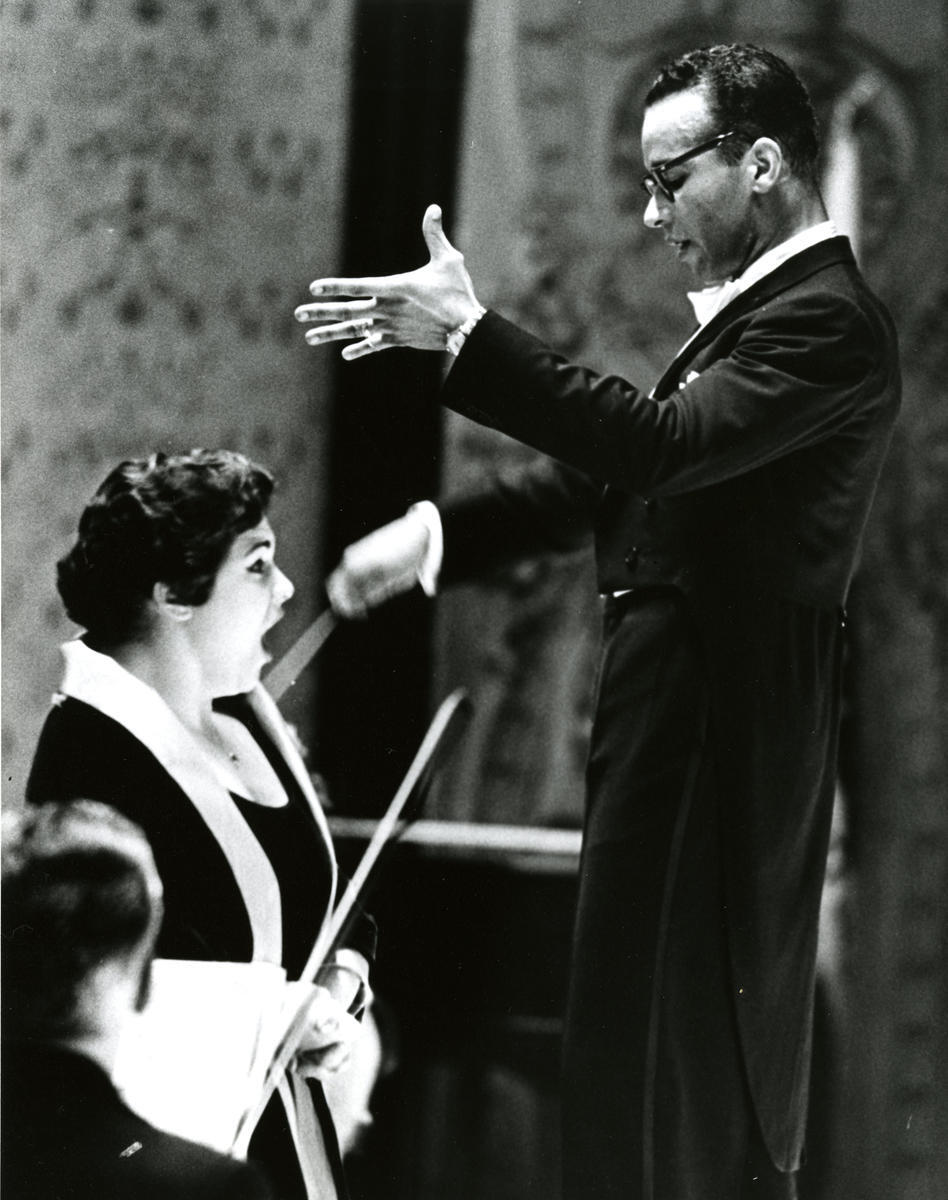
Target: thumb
x=433 y=233
x=324 y=1011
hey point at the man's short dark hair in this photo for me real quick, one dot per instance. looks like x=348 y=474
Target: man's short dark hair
x=80 y=890
x=752 y=92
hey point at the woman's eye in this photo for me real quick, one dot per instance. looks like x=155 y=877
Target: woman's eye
x=259 y=567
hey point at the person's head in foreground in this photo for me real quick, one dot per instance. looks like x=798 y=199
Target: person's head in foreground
x=175 y=555
x=730 y=145
x=81 y=908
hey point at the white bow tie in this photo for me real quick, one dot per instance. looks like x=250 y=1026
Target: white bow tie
x=711 y=300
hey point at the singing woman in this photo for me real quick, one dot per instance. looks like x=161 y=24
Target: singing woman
x=161 y=714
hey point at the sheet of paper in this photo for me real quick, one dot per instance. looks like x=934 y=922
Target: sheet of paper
x=194 y=1060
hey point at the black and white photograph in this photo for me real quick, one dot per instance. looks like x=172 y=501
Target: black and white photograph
x=475 y=600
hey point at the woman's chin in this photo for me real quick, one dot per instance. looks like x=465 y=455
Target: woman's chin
x=239 y=682
x=232 y=676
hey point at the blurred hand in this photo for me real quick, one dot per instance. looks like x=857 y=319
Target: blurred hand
x=329 y=1040
x=383 y=564
x=416 y=308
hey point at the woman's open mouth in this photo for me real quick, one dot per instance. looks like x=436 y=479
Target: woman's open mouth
x=265 y=646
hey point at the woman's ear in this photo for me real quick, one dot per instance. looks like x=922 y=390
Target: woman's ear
x=766 y=163
x=168 y=606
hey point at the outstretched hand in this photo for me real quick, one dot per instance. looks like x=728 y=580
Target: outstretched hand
x=415 y=308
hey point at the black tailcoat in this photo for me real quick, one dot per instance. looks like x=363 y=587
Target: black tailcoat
x=728 y=505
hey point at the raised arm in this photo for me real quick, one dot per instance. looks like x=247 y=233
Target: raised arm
x=418 y=308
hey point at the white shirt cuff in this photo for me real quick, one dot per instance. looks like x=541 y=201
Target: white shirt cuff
x=430 y=567
x=455 y=340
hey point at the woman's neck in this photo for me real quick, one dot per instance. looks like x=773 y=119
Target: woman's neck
x=173 y=675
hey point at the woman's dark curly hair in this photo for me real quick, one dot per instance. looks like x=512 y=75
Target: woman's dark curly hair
x=164 y=519
x=752 y=92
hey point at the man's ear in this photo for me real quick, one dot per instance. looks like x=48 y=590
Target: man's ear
x=766 y=163
x=167 y=605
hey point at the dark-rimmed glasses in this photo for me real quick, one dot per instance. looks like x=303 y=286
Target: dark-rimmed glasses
x=654 y=181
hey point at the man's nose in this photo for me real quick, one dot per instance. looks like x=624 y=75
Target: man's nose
x=652 y=216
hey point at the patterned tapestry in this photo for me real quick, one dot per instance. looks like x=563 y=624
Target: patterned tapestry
x=172 y=180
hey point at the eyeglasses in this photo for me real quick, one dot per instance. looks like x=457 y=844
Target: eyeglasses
x=654 y=181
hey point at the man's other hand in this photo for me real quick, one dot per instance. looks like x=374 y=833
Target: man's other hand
x=383 y=564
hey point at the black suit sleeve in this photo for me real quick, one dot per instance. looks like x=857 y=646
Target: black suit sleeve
x=514 y=513
x=245 y=1181
x=795 y=372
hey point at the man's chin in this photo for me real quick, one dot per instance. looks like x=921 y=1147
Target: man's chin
x=695 y=266
x=708 y=279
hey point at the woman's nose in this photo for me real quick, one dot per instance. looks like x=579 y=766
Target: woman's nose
x=283 y=588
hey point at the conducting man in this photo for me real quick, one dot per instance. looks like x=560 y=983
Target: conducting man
x=726 y=506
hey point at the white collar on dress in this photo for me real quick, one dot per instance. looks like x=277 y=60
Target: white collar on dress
x=101 y=682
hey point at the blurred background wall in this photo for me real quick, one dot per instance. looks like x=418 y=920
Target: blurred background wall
x=171 y=173
x=174 y=174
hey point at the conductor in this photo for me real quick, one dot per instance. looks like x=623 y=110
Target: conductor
x=726 y=506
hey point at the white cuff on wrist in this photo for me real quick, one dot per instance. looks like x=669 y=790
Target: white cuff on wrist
x=430 y=568
x=456 y=339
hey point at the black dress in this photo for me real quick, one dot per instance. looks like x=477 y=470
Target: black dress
x=253 y=884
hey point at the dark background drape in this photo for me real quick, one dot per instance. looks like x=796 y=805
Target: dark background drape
x=407 y=80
